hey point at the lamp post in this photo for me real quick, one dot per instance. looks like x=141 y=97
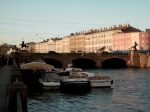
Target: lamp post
x=92 y=43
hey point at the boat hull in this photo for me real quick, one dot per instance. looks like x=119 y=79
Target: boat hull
x=74 y=86
x=52 y=85
x=100 y=83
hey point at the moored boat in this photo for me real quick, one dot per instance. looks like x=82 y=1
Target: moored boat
x=73 y=81
x=33 y=71
x=50 y=80
x=98 y=81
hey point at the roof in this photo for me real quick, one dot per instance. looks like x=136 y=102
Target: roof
x=36 y=65
x=30 y=43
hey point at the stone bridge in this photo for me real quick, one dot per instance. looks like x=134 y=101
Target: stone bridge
x=79 y=60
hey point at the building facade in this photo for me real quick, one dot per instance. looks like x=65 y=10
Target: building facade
x=59 y=46
x=107 y=38
x=97 y=40
x=115 y=38
x=66 y=44
x=122 y=42
x=51 y=45
x=31 y=47
x=74 y=43
x=144 y=40
x=45 y=46
x=126 y=41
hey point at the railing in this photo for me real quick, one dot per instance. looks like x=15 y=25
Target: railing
x=99 y=78
x=17 y=92
x=76 y=77
x=19 y=103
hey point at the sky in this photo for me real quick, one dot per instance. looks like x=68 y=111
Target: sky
x=38 y=20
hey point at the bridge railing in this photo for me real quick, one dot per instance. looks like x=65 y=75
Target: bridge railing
x=80 y=54
x=17 y=91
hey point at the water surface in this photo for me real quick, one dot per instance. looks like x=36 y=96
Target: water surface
x=130 y=92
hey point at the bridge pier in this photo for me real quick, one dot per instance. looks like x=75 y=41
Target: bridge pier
x=135 y=58
x=65 y=63
x=98 y=64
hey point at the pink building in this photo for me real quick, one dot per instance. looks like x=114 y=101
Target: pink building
x=144 y=41
x=124 y=41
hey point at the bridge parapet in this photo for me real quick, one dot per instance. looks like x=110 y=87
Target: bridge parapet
x=66 y=58
x=96 y=57
x=17 y=92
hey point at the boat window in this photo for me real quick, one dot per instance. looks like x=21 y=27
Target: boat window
x=64 y=73
x=50 y=76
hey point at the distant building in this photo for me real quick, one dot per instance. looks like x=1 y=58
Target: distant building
x=31 y=47
x=45 y=46
x=59 y=46
x=66 y=44
x=144 y=41
x=51 y=45
x=77 y=43
x=125 y=41
x=106 y=37
x=147 y=30
x=121 y=37
x=122 y=42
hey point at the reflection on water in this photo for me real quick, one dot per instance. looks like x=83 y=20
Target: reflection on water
x=130 y=92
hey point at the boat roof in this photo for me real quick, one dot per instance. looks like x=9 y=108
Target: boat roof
x=36 y=65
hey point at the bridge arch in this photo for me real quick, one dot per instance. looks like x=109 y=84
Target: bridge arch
x=114 y=63
x=83 y=63
x=54 y=62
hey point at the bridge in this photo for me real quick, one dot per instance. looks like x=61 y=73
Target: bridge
x=94 y=60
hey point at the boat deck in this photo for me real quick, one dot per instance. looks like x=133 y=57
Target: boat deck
x=99 y=78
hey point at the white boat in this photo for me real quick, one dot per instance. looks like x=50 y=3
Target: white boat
x=50 y=81
x=73 y=81
x=98 y=81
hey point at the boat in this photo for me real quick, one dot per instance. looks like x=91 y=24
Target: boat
x=98 y=81
x=33 y=74
x=50 y=80
x=73 y=81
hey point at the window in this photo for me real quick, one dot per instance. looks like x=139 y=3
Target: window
x=143 y=35
x=142 y=41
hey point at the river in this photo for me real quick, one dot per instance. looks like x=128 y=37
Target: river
x=130 y=92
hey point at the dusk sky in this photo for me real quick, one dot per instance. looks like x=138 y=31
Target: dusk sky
x=36 y=20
